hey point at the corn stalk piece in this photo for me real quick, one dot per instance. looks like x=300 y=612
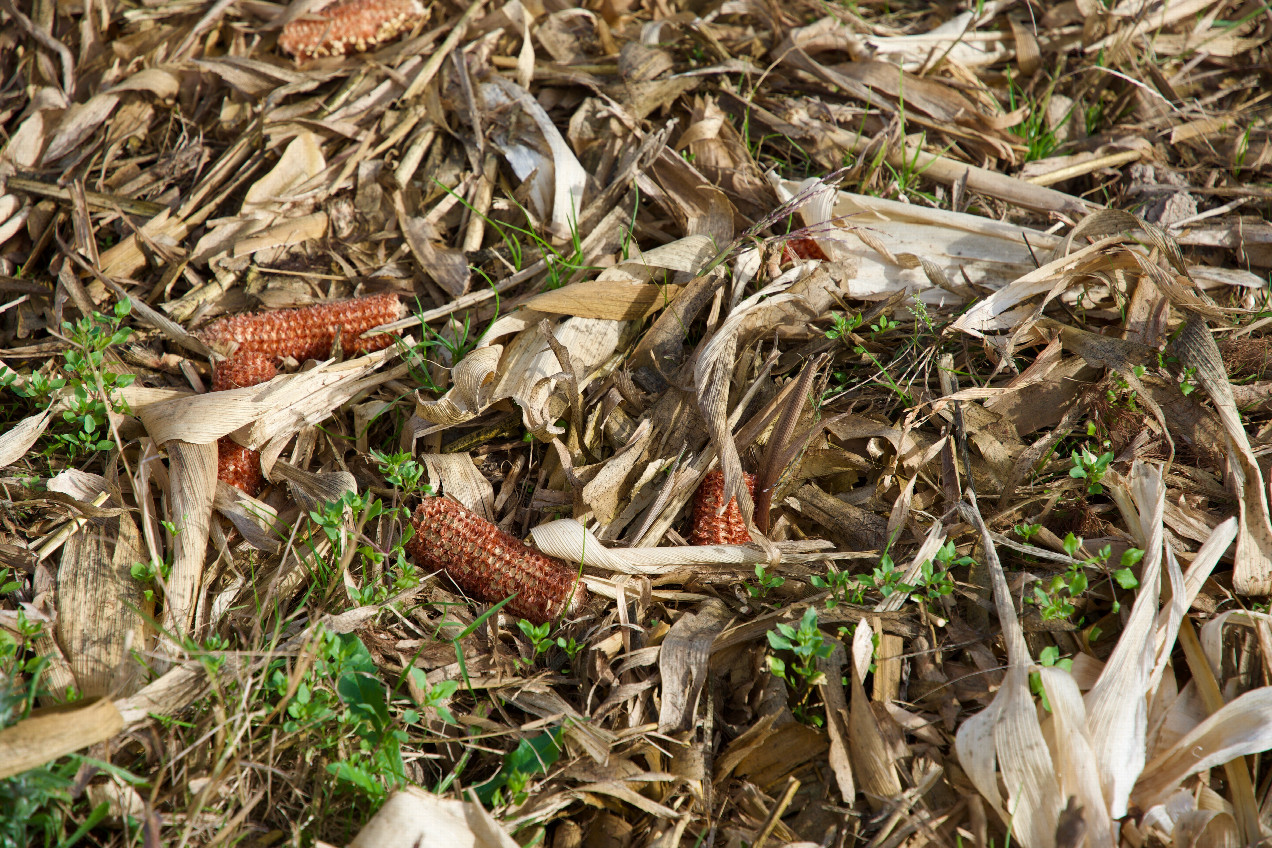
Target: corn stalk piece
x=489 y=565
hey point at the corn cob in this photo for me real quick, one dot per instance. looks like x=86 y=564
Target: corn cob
x=804 y=248
x=710 y=527
x=237 y=465
x=308 y=332
x=242 y=370
x=490 y=565
x=350 y=27
x=263 y=338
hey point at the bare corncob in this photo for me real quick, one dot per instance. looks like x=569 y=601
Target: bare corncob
x=260 y=339
x=710 y=526
x=309 y=332
x=350 y=27
x=490 y=565
x=242 y=370
x=237 y=465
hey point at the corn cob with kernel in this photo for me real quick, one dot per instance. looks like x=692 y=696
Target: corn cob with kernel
x=350 y=27
x=710 y=526
x=308 y=332
x=490 y=565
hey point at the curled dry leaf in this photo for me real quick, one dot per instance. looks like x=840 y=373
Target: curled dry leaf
x=1096 y=749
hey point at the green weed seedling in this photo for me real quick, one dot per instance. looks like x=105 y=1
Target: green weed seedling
x=808 y=644
x=402 y=472
x=1027 y=531
x=1049 y=657
x=885 y=578
x=843 y=325
x=539 y=639
x=91 y=390
x=883 y=325
x=149 y=576
x=1087 y=466
x=436 y=696
x=345 y=705
x=531 y=757
x=841 y=585
x=764 y=582
x=341 y=521
x=1054 y=598
x=37 y=804
x=571 y=648
x=934 y=578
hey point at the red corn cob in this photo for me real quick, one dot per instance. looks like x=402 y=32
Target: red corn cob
x=237 y=465
x=710 y=528
x=490 y=565
x=242 y=370
x=350 y=27
x=308 y=332
x=804 y=248
x=262 y=338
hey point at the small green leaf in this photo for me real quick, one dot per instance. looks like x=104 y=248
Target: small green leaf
x=1126 y=578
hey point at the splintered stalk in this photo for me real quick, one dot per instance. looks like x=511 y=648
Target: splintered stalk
x=490 y=565
x=782 y=444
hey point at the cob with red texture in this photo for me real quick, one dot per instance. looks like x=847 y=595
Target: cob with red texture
x=242 y=370
x=490 y=565
x=260 y=339
x=236 y=464
x=308 y=332
x=712 y=527
x=350 y=27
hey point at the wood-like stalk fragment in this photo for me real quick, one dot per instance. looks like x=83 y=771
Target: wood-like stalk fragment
x=710 y=525
x=489 y=565
x=350 y=27
x=309 y=332
x=783 y=445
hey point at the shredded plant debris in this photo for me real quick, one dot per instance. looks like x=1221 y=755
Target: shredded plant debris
x=635 y=424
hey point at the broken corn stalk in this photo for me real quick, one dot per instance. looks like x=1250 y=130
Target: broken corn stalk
x=350 y=27
x=308 y=332
x=490 y=565
x=710 y=526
